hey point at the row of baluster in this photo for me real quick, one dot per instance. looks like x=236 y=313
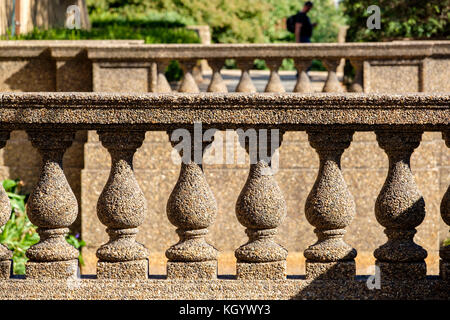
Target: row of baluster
x=191 y=207
x=217 y=84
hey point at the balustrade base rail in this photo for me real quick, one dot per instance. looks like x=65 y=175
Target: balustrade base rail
x=227 y=288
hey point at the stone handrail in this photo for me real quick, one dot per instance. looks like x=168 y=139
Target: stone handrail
x=75 y=60
x=51 y=120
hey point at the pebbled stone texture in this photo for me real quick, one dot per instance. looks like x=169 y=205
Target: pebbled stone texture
x=275 y=270
x=122 y=208
x=330 y=208
x=299 y=289
x=192 y=270
x=191 y=207
x=260 y=208
x=52 y=206
x=52 y=270
x=132 y=270
x=400 y=208
x=444 y=252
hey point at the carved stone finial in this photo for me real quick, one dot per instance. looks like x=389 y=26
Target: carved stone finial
x=245 y=82
x=400 y=208
x=217 y=84
x=274 y=84
x=122 y=208
x=261 y=208
x=192 y=209
x=303 y=84
x=332 y=83
x=188 y=84
x=330 y=208
x=52 y=206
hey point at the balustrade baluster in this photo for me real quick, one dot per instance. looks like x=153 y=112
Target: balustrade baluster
x=330 y=208
x=245 y=82
x=400 y=208
x=162 y=85
x=261 y=208
x=192 y=208
x=303 y=84
x=274 y=84
x=444 y=252
x=332 y=83
x=52 y=207
x=188 y=84
x=357 y=85
x=122 y=208
x=217 y=84
x=5 y=214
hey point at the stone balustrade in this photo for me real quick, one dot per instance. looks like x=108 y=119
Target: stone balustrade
x=406 y=66
x=330 y=121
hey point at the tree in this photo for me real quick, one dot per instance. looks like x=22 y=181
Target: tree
x=416 y=19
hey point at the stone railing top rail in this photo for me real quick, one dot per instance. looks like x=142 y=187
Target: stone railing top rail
x=136 y=49
x=288 y=111
x=30 y=48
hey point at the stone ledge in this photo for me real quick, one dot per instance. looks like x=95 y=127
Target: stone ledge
x=293 y=288
x=288 y=111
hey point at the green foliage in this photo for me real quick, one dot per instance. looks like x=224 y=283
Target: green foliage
x=416 y=19
x=235 y=21
x=78 y=244
x=137 y=30
x=19 y=233
x=231 y=21
x=446 y=242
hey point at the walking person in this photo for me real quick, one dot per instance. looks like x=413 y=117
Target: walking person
x=303 y=27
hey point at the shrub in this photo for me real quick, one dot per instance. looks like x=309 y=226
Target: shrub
x=18 y=234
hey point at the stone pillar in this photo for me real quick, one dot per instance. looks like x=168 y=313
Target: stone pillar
x=188 y=83
x=5 y=214
x=52 y=206
x=444 y=252
x=162 y=85
x=357 y=85
x=217 y=84
x=192 y=208
x=332 y=83
x=245 y=83
x=330 y=208
x=261 y=208
x=274 y=84
x=303 y=84
x=122 y=208
x=400 y=208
